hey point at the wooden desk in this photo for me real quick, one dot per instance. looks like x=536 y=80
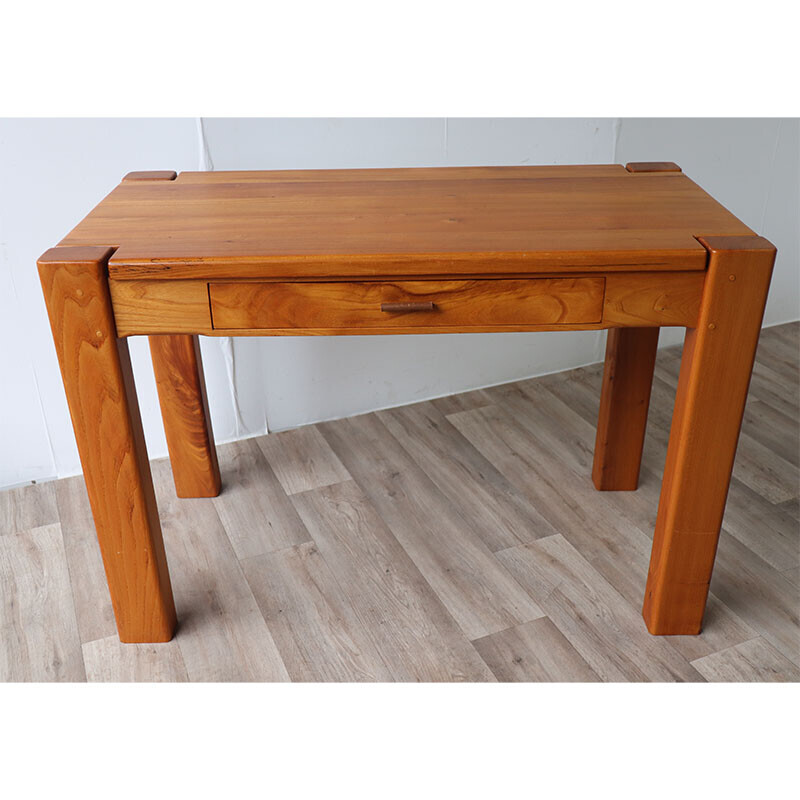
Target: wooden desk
x=407 y=251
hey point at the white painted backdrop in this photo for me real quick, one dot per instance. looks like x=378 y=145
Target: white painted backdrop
x=52 y=171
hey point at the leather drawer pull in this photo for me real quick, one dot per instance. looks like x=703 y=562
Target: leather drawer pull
x=408 y=306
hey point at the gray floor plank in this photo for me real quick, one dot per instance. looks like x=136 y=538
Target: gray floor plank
x=28 y=507
x=301 y=459
x=442 y=542
x=535 y=651
x=109 y=661
x=460 y=402
x=761 y=595
x=89 y=588
x=792 y=575
x=597 y=524
x=368 y=545
x=756 y=660
x=315 y=628
x=256 y=512
x=592 y=615
x=503 y=517
x=767 y=529
x=222 y=634
x=409 y=626
x=772 y=429
x=39 y=638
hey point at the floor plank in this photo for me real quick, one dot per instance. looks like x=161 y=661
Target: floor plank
x=257 y=514
x=592 y=615
x=222 y=634
x=460 y=402
x=591 y=521
x=38 y=631
x=503 y=517
x=301 y=459
x=535 y=651
x=773 y=430
x=756 y=465
x=761 y=595
x=477 y=591
x=409 y=626
x=792 y=575
x=108 y=660
x=770 y=387
x=375 y=548
x=756 y=660
x=28 y=507
x=315 y=628
x=765 y=528
x=88 y=578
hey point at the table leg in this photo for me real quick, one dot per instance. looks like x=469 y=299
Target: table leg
x=184 y=408
x=712 y=388
x=625 y=398
x=98 y=381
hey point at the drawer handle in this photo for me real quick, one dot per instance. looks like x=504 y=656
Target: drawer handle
x=408 y=307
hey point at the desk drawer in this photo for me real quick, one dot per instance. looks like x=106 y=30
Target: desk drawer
x=406 y=305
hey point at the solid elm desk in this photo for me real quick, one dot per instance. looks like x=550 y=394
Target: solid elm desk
x=396 y=251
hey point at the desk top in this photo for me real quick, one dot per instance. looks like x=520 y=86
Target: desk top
x=464 y=221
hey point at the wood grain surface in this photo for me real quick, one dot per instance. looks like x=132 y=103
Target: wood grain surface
x=223 y=636
x=178 y=368
x=182 y=306
x=624 y=400
x=446 y=221
x=27 y=507
x=712 y=388
x=652 y=166
x=273 y=253
x=97 y=375
x=40 y=639
x=457 y=305
x=160 y=307
x=151 y=175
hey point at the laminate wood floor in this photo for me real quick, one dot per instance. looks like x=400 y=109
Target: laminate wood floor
x=458 y=539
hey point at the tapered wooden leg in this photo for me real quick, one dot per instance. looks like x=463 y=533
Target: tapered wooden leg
x=625 y=398
x=712 y=387
x=98 y=381
x=184 y=409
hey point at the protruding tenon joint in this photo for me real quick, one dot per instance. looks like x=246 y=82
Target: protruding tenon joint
x=76 y=254
x=652 y=166
x=152 y=175
x=716 y=244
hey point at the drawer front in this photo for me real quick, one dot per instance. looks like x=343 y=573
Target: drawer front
x=407 y=305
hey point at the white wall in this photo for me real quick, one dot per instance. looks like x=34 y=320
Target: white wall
x=752 y=166
x=53 y=171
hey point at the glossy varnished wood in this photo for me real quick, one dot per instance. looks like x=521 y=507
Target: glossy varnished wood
x=449 y=305
x=147 y=307
x=455 y=222
x=183 y=306
x=444 y=251
x=625 y=397
x=712 y=388
x=178 y=368
x=98 y=381
x=646 y=299
x=151 y=175
x=652 y=166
